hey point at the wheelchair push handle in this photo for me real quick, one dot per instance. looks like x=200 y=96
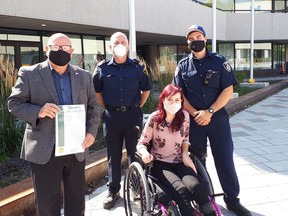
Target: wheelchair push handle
x=137 y=128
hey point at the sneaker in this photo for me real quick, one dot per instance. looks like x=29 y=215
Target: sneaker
x=239 y=210
x=110 y=200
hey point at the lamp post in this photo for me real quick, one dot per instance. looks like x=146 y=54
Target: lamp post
x=132 y=33
x=214 y=26
x=252 y=80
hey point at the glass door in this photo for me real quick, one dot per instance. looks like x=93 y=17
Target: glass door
x=29 y=56
x=22 y=53
x=8 y=53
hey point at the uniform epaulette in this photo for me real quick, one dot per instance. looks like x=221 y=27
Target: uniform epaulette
x=102 y=62
x=137 y=61
x=218 y=55
x=142 y=64
x=183 y=59
x=96 y=70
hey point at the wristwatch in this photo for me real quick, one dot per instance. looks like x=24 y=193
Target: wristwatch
x=211 y=110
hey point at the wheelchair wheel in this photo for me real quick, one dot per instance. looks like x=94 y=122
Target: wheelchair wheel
x=203 y=174
x=202 y=171
x=137 y=199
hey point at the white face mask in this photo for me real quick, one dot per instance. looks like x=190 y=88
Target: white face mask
x=120 y=51
x=172 y=108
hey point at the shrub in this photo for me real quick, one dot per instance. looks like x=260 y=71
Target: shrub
x=240 y=76
x=161 y=74
x=11 y=129
x=163 y=71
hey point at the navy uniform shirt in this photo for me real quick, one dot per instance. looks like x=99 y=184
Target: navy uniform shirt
x=202 y=80
x=121 y=84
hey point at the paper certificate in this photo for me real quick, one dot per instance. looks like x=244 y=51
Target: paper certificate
x=70 y=129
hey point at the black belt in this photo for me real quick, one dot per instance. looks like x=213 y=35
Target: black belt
x=122 y=108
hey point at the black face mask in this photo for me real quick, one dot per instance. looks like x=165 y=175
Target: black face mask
x=197 y=45
x=59 y=57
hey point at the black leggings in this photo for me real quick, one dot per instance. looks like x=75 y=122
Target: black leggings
x=182 y=183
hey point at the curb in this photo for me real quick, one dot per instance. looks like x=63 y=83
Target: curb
x=18 y=199
x=241 y=103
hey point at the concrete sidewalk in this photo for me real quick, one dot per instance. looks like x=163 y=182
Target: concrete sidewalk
x=260 y=135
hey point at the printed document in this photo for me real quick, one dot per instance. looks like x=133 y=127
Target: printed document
x=70 y=129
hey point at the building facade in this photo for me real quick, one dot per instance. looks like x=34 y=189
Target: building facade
x=26 y=25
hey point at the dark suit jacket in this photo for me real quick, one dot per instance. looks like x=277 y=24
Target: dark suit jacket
x=33 y=89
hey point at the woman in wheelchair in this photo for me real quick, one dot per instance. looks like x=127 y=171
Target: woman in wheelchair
x=167 y=134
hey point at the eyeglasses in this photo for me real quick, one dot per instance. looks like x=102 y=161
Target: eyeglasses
x=65 y=48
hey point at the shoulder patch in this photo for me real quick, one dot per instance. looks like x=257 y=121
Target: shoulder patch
x=227 y=66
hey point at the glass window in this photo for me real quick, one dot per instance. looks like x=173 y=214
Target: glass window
x=168 y=52
x=262 y=56
x=279 y=5
x=3 y=36
x=242 y=60
x=16 y=37
x=227 y=50
x=182 y=52
x=279 y=57
x=167 y=58
x=109 y=53
x=93 y=52
x=77 y=57
x=45 y=41
x=225 y=5
x=29 y=55
x=8 y=52
x=258 y=5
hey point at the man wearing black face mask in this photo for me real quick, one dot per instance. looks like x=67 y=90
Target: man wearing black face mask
x=35 y=98
x=207 y=81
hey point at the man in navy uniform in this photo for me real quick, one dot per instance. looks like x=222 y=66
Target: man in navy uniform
x=122 y=88
x=207 y=80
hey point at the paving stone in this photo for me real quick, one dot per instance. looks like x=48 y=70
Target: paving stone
x=261 y=161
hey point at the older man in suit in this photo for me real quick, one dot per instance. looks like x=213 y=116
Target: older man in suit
x=35 y=98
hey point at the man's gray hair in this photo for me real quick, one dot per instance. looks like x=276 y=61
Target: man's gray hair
x=112 y=38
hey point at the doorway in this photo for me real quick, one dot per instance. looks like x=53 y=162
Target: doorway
x=22 y=53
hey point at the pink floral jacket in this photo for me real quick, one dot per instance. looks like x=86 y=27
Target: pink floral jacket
x=166 y=146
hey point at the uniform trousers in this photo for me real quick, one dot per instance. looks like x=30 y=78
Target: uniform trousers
x=182 y=183
x=219 y=134
x=120 y=127
x=47 y=180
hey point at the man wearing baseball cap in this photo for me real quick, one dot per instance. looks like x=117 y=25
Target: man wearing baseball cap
x=207 y=81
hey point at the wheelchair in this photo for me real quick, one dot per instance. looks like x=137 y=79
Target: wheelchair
x=145 y=196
